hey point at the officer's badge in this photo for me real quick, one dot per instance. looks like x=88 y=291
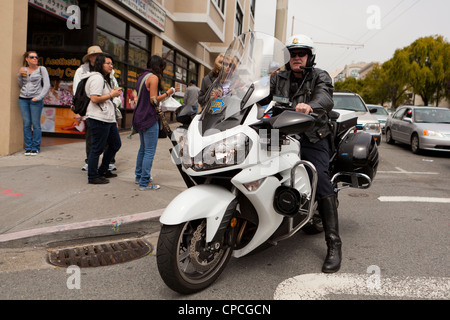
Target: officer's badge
x=217 y=105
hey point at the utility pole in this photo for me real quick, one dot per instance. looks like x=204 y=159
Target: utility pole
x=281 y=20
x=292 y=26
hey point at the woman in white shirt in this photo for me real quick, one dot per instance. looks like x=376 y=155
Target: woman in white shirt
x=101 y=119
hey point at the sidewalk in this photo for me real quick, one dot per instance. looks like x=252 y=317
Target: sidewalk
x=45 y=200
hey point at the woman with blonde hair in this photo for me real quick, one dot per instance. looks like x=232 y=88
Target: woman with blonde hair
x=209 y=79
x=34 y=84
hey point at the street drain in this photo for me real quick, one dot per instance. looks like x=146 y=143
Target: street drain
x=100 y=255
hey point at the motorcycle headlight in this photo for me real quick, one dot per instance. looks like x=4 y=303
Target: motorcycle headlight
x=228 y=152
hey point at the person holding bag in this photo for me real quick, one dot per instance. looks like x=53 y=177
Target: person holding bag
x=34 y=84
x=145 y=119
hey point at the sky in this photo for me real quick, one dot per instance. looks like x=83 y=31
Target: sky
x=351 y=31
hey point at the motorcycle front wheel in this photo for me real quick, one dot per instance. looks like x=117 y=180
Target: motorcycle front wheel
x=186 y=263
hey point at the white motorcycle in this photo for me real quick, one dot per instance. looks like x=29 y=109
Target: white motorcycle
x=247 y=184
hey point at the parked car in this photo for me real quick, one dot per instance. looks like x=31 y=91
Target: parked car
x=380 y=113
x=351 y=101
x=423 y=128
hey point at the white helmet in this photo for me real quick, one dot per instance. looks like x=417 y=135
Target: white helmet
x=300 y=41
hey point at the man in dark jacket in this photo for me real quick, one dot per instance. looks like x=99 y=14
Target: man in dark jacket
x=311 y=91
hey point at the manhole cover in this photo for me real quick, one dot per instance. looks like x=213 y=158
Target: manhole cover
x=100 y=255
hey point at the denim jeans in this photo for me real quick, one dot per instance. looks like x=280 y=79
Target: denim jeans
x=102 y=133
x=31 y=117
x=146 y=154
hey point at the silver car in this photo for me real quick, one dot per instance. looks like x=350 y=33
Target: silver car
x=424 y=128
x=380 y=113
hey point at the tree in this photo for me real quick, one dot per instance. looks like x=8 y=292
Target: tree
x=429 y=71
x=375 y=88
x=395 y=74
x=351 y=84
x=422 y=67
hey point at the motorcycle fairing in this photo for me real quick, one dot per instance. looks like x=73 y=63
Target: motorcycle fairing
x=199 y=202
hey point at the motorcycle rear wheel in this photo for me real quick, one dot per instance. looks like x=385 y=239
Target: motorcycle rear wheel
x=185 y=262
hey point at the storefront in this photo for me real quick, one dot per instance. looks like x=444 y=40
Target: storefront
x=61 y=50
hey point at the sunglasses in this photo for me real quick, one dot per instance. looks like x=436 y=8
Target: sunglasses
x=300 y=54
x=33 y=57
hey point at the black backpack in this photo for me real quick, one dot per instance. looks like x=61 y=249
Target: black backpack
x=80 y=100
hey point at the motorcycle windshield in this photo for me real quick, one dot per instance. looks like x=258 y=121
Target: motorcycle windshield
x=248 y=64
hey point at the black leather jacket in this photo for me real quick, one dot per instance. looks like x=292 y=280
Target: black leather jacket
x=317 y=91
x=207 y=81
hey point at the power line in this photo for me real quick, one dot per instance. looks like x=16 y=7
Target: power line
x=317 y=27
x=392 y=21
x=340 y=44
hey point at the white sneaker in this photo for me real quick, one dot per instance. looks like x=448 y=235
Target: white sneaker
x=28 y=152
x=34 y=152
x=85 y=167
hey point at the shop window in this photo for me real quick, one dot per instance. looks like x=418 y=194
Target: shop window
x=180 y=70
x=119 y=73
x=169 y=71
x=193 y=71
x=61 y=51
x=168 y=54
x=130 y=52
x=111 y=44
x=137 y=37
x=111 y=23
x=137 y=57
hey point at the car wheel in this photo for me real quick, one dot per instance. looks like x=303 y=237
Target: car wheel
x=415 y=147
x=389 y=139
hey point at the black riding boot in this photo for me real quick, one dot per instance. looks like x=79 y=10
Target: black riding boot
x=329 y=215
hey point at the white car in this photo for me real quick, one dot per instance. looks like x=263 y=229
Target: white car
x=351 y=101
x=381 y=114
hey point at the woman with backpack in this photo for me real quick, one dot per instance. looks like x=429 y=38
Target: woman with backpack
x=101 y=119
x=34 y=84
x=145 y=119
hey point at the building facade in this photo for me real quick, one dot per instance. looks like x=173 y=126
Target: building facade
x=188 y=34
x=356 y=70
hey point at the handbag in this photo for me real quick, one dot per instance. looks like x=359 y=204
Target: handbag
x=118 y=113
x=133 y=132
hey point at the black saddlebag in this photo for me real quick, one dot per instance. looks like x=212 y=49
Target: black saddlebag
x=357 y=153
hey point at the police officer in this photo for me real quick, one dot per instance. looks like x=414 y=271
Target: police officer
x=311 y=91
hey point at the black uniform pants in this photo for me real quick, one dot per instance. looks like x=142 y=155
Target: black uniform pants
x=319 y=155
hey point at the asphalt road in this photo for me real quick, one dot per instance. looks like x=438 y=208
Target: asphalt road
x=393 y=248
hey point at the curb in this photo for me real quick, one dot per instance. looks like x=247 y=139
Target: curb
x=135 y=225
